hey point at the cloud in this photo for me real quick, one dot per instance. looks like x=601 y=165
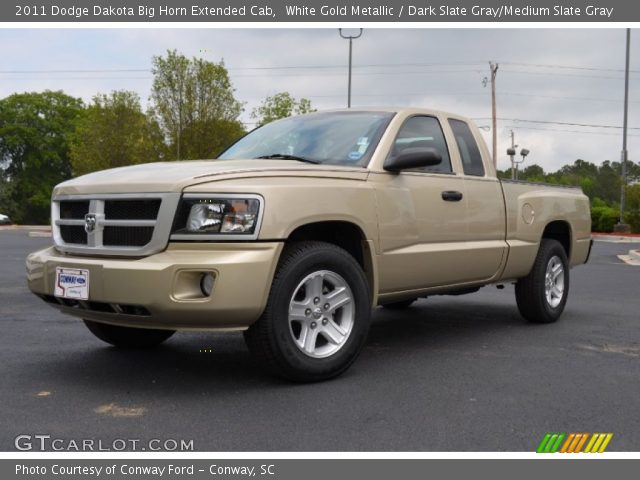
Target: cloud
x=454 y=81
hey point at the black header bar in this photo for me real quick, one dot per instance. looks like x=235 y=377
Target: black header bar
x=320 y=11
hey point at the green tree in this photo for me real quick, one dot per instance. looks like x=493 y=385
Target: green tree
x=533 y=173
x=632 y=210
x=113 y=132
x=280 y=105
x=194 y=104
x=609 y=182
x=34 y=150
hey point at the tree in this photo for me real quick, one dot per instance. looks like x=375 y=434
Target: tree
x=114 y=132
x=280 y=105
x=194 y=104
x=34 y=150
x=533 y=173
x=632 y=213
x=609 y=182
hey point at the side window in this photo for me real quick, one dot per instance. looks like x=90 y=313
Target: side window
x=423 y=132
x=468 y=148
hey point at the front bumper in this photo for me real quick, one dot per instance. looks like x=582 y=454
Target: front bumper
x=162 y=290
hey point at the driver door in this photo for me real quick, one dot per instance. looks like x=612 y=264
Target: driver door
x=422 y=215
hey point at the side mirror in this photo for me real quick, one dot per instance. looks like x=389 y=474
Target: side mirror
x=416 y=157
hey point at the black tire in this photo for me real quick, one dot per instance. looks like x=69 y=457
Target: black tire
x=271 y=339
x=531 y=290
x=399 y=305
x=128 y=337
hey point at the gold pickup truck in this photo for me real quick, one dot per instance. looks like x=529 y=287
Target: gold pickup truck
x=299 y=229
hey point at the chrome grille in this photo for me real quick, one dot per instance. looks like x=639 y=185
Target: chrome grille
x=113 y=224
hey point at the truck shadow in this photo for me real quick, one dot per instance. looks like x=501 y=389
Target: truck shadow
x=202 y=363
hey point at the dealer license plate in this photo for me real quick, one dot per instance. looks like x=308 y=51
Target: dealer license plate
x=72 y=283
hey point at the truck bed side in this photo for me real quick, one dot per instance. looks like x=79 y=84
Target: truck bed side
x=537 y=210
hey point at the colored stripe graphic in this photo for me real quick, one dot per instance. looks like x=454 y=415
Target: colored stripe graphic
x=550 y=443
x=554 y=442
x=565 y=447
x=581 y=443
x=558 y=442
x=543 y=443
x=598 y=443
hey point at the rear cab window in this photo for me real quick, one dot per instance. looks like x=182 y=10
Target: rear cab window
x=423 y=132
x=469 y=152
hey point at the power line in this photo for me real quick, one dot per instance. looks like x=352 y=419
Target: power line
x=571 y=124
x=330 y=66
x=323 y=74
x=555 y=74
x=567 y=67
x=272 y=67
x=295 y=74
x=566 y=131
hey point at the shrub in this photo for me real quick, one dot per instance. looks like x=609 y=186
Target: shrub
x=603 y=219
x=632 y=211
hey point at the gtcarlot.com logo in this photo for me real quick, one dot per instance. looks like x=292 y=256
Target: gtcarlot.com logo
x=574 y=442
x=47 y=443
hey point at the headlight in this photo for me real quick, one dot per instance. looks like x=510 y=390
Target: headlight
x=223 y=215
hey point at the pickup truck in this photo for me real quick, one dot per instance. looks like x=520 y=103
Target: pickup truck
x=295 y=232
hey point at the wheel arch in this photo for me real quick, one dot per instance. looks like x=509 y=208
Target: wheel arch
x=346 y=235
x=560 y=230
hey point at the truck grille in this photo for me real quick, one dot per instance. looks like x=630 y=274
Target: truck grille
x=129 y=236
x=74 y=209
x=115 y=224
x=73 y=234
x=131 y=209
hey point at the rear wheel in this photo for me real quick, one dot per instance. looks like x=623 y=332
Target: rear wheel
x=317 y=315
x=542 y=295
x=128 y=337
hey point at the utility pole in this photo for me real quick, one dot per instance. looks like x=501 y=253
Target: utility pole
x=350 y=38
x=622 y=226
x=494 y=123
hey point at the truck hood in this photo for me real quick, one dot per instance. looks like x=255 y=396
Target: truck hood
x=175 y=176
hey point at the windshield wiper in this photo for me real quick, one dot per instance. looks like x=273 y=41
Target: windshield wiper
x=284 y=156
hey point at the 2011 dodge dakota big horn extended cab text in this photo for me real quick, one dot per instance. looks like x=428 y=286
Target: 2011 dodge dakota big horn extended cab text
x=299 y=229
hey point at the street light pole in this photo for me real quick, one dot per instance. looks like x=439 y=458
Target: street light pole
x=524 y=152
x=350 y=38
x=512 y=152
x=621 y=226
x=494 y=123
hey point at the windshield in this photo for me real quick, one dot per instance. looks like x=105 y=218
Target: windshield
x=339 y=138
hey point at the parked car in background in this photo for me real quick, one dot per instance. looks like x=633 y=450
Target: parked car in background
x=5 y=220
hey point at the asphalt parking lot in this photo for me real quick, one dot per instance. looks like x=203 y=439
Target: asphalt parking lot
x=450 y=374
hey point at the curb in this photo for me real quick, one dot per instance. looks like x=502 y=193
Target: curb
x=43 y=228
x=632 y=259
x=604 y=237
x=39 y=233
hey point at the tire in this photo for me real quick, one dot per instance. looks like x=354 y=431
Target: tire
x=317 y=315
x=128 y=337
x=542 y=295
x=399 y=305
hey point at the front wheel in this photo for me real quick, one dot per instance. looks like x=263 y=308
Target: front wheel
x=317 y=315
x=542 y=295
x=128 y=337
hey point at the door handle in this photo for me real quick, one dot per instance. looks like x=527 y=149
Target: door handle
x=451 y=196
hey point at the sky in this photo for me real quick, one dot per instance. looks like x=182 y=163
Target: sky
x=567 y=76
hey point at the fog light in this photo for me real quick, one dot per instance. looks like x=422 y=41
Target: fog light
x=206 y=284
